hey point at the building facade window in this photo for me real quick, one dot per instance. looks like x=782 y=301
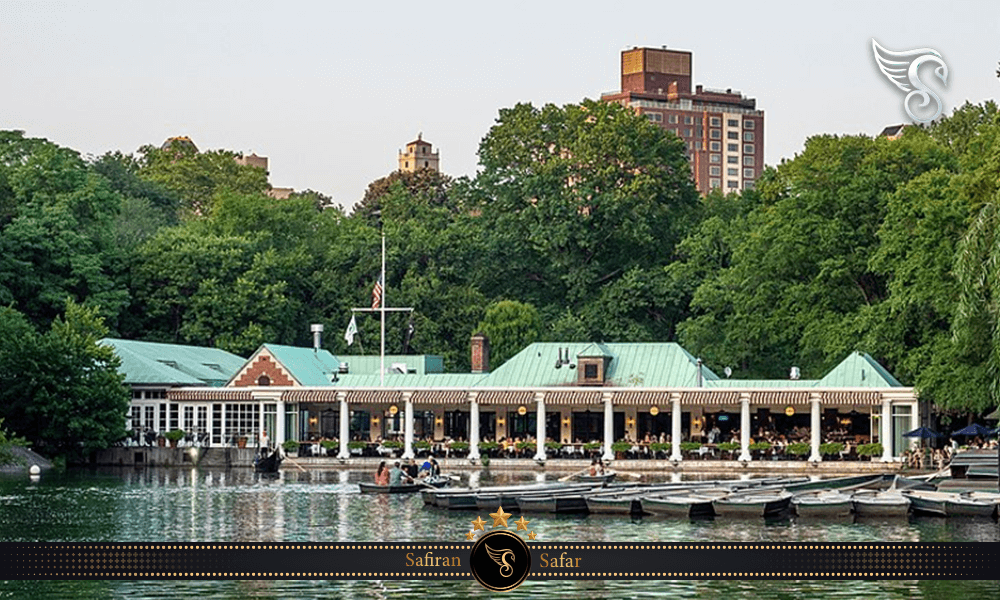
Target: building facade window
x=715 y=146
x=715 y=158
x=748 y=185
x=715 y=134
x=732 y=184
x=655 y=117
x=687 y=132
x=748 y=160
x=733 y=160
x=697 y=145
x=733 y=122
x=732 y=147
x=688 y=120
x=747 y=136
x=748 y=173
x=715 y=170
x=672 y=119
x=747 y=148
x=733 y=172
x=733 y=135
x=715 y=183
x=715 y=122
x=748 y=124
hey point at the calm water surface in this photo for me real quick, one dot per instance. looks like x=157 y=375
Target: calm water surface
x=167 y=505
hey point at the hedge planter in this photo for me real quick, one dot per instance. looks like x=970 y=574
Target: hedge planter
x=831 y=449
x=798 y=449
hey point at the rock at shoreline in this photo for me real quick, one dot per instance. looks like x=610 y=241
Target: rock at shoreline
x=25 y=459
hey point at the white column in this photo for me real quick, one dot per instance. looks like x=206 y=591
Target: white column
x=814 y=430
x=345 y=426
x=473 y=428
x=886 y=437
x=609 y=428
x=675 y=427
x=408 y=425
x=914 y=422
x=260 y=424
x=745 y=427
x=540 y=427
x=279 y=425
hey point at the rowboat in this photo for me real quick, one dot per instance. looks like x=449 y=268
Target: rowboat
x=606 y=477
x=695 y=504
x=825 y=503
x=880 y=504
x=946 y=504
x=752 y=504
x=406 y=488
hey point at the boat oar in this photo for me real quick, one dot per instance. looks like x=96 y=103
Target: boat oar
x=289 y=459
x=572 y=475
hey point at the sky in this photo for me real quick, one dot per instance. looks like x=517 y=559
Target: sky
x=331 y=91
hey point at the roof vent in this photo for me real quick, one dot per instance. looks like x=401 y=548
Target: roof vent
x=794 y=374
x=343 y=368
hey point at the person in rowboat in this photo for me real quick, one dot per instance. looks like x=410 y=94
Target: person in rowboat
x=397 y=476
x=382 y=474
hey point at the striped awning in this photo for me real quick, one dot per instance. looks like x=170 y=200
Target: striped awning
x=572 y=398
x=857 y=398
x=782 y=397
x=216 y=395
x=374 y=396
x=500 y=397
x=440 y=397
x=640 y=398
x=710 y=398
x=310 y=396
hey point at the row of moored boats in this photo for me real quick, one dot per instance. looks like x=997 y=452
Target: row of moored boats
x=865 y=496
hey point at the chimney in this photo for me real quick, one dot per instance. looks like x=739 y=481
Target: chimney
x=317 y=331
x=480 y=348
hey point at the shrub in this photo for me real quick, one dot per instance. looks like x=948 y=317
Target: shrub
x=760 y=446
x=870 y=449
x=458 y=446
x=328 y=444
x=621 y=447
x=290 y=445
x=553 y=445
x=831 y=448
x=488 y=445
x=392 y=444
x=592 y=446
x=728 y=446
x=690 y=446
x=659 y=447
x=798 y=448
x=174 y=435
x=524 y=445
x=357 y=445
x=422 y=445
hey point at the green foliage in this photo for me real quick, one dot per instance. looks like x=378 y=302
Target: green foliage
x=621 y=446
x=422 y=445
x=356 y=445
x=760 y=446
x=660 y=447
x=458 y=446
x=7 y=441
x=870 y=449
x=798 y=448
x=728 y=446
x=488 y=445
x=290 y=445
x=63 y=392
x=590 y=446
x=833 y=448
x=174 y=435
x=510 y=326
x=392 y=444
x=690 y=446
x=524 y=445
x=553 y=445
x=328 y=444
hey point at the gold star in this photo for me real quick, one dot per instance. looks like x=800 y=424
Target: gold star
x=531 y=535
x=478 y=524
x=470 y=535
x=500 y=517
x=522 y=523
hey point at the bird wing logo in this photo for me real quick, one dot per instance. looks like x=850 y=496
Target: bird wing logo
x=903 y=70
x=500 y=558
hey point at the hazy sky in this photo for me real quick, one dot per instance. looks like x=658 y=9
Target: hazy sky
x=330 y=91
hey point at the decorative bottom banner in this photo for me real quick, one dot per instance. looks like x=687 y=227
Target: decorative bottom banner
x=499 y=560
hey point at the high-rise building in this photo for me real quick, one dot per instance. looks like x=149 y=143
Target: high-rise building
x=722 y=129
x=419 y=155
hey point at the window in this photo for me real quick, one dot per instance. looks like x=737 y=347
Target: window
x=697 y=145
x=423 y=150
x=426 y=164
x=715 y=158
x=715 y=134
x=747 y=148
x=590 y=371
x=748 y=173
x=748 y=185
x=748 y=161
x=715 y=146
x=732 y=184
x=697 y=121
x=715 y=170
x=697 y=132
x=747 y=136
x=715 y=183
x=715 y=122
x=733 y=122
x=688 y=120
x=672 y=119
x=655 y=117
x=748 y=124
x=733 y=135
x=687 y=132
x=732 y=147
x=406 y=164
x=733 y=172
x=733 y=160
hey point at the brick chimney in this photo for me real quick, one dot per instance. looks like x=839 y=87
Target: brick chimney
x=480 y=353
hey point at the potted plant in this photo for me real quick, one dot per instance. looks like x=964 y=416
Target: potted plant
x=487 y=448
x=356 y=445
x=730 y=447
x=658 y=448
x=330 y=446
x=798 y=448
x=870 y=450
x=523 y=446
x=174 y=436
x=591 y=447
x=759 y=448
x=831 y=449
x=458 y=447
x=688 y=447
x=290 y=446
x=620 y=448
x=422 y=445
x=554 y=446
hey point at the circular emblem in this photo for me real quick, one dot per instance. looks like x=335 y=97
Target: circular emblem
x=522 y=410
x=393 y=410
x=790 y=410
x=654 y=410
x=500 y=561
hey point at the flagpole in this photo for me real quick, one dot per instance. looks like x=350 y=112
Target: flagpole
x=381 y=307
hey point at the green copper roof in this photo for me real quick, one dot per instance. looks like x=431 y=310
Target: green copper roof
x=632 y=365
x=859 y=370
x=154 y=363
x=762 y=383
x=434 y=380
x=307 y=366
x=419 y=364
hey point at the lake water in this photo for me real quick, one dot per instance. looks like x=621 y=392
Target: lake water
x=177 y=505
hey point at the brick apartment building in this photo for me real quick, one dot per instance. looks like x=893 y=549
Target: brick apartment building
x=722 y=129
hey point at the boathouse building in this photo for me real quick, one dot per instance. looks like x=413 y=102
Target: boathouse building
x=570 y=393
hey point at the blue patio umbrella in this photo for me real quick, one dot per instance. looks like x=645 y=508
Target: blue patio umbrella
x=922 y=433
x=973 y=430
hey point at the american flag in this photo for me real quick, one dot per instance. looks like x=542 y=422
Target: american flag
x=377 y=293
